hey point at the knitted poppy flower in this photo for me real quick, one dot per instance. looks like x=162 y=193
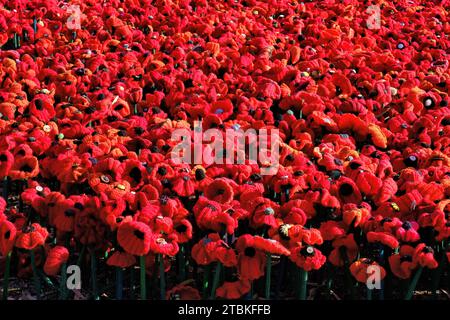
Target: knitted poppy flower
x=164 y=244
x=203 y=252
x=359 y=269
x=8 y=234
x=307 y=257
x=233 y=289
x=344 y=249
x=424 y=256
x=32 y=237
x=6 y=163
x=134 y=237
x=383 y=238
x=251 y=261
x=408 y=232
x=121 y=259
x=220 y=191
x=402 y=263
x=56 y=257
x=183 y=292
x=24 y=168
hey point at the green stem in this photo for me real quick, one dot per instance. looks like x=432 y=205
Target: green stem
x=162 y=277
x=206 y=280
x=369 y=294
x=413 y=284
x=37 y=283
x=143 y=275
x=181 y=264
x=268 y=274
x=216 y=280
x=6 y=276
x=303 y=281
x=119 y=283
x=94 y=275
x=63 y=283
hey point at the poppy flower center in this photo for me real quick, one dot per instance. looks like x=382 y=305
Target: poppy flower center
x=250 y=252
x=346 y=189
x=181 y=228
x=69 y=213
x=283 y=231
x=199 y=174
x=307 y=251
x=139 y=234
x=219 y=111
x=162 y=171
x=428 y=102
x=3 y=157
x=406 y=225
x=26 y=168
x=7 y=235
x=39 y=104
x=411 y=161
x=220 y=192
x=427 y=250
x=136 y=174
x=406 y=259
x=354 y=165
x=268 y=211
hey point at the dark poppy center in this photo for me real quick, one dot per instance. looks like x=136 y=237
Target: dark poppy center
x=250 y=252
x=181 y=228
x=406 y=259
x=355 y=165
x=162 y=171
x=69 y=213
x=136 y=174
x=220 y=192
x=139 y=234
x=346 y=189
x=7 y=234
x=26 y=168
x=406 y=225
x=427 y=250
x=3 y=157
x=39 y=104
x=199 y=174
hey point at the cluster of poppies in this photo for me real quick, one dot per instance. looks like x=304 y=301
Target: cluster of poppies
x=86 y=120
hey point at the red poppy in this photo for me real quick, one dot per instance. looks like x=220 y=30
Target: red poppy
x=220 y=191
x=345 y=249
x=359 y=269
x=24 y=168
x=7 y=237
x=134 y=237
x=424 y=256
x=183 y=292
x=307 y=257
x=32 y=237
x=233 y=290
x=251 y=261
x=121 y=259
x=56 y=257
x=384 y=238
x=402 y=264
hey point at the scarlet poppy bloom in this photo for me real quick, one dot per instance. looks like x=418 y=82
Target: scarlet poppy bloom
x=6 y=163
x=220 y=191
x=350 y=247
x=183 y=292
x=56 y=257
x=251 y=261
x=24 y=168
x=203 y=252
x=408 y=232
x=7 y=237
x=384 y=238
x=32 y=237
x=233 y=290
x=402 y=264
x=359 y=269
x=307 y=257
x=164 y=244
x=134 y=237
x=121 y=259
x=424 y=256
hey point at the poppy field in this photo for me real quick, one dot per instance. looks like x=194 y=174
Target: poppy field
x=95 y=204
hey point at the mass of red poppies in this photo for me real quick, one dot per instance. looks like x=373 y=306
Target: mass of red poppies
x=91 y=92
